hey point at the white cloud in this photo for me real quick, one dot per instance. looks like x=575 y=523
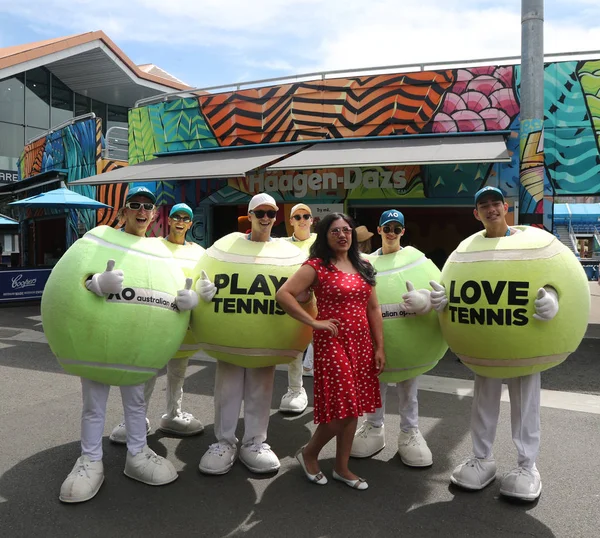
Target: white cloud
x=269 y=37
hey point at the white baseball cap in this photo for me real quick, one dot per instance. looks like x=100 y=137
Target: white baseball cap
x=262 y=199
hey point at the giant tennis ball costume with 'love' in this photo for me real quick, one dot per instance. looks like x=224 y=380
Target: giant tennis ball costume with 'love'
x=119 y=339
x=413 y=344
x=491 y=285
x=187 y=257
x=244 y=324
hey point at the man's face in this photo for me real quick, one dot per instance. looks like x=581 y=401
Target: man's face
x=259 y=219
x=301 y=220
x=390 y=233
x=490 y=210
x=138 y=220
x=179 y=224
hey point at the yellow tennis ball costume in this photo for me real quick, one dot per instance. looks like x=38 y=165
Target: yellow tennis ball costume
x=186 y=257
x=491 y=285
x=121 y=339
x=413 y=344
x=244 y=324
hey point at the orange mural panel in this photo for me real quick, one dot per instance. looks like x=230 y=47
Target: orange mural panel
x=334 y=108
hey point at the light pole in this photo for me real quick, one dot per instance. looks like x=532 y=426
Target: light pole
x=532 y=178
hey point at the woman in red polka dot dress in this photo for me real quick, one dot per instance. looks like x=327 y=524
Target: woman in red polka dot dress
x=348 y=341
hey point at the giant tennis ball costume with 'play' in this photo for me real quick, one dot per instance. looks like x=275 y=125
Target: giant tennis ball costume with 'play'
x=491 y=285
x=244 y=324
x=119 y=339
x=187 y=257
x=413 y=344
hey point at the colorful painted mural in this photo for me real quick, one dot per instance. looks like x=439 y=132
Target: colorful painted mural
x=74 y=150
x=461 y=100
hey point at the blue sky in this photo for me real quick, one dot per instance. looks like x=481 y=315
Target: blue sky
x=211 y=42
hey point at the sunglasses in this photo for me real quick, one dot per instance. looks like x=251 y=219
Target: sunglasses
x=136 y=206
x=260 y=213
x=396 y=229
x=337 y=231
x=306 y=216
x=179 y=218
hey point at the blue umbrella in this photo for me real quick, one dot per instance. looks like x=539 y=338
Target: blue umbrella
x=5 y=221
x=60 y=198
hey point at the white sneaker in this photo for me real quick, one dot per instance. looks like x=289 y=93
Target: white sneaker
x=294 y=401
x=219 y=458
x=259 y=457
x=522 y=483
x=184 y=424
x=368 y=440
x=413 y=449
x=475 y=473
x=150 y=468
x=307 y=372
x=83 y=482
x=119 y=433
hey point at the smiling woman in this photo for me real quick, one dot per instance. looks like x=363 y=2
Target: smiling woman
x=348 y=342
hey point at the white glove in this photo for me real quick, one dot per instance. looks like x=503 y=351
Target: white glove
x=187 y=299
x=438 y=296
x=416 y=301
x=546 y=304
x=205 y=288
x=110 y=281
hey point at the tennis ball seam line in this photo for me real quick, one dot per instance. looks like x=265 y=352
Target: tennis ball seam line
x=108 y=365
x=412 y=265
x=509 y=363
x=549 y=251
x=253 y=259
x=253 y=352
x=129 y=250
x=410 y=367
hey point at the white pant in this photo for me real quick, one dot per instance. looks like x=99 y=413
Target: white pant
x=175 y=377
x=93 y=415
x=309 y=357
x=524 y=393
x=295 y=375
x=253 y=386
x=408 y=405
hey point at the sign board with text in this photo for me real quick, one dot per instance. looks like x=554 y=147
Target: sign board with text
x=8 y=176
x=22 y=284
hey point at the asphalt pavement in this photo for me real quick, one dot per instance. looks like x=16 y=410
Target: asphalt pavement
x=40 y=409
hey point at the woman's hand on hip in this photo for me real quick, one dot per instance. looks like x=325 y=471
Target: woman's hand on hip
x=330 y=325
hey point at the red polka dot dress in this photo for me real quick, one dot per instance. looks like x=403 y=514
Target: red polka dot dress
x=345 y=376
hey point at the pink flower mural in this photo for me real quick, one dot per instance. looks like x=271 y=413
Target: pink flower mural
x=481 y=99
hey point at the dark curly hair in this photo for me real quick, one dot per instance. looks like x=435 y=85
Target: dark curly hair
x=321 y=249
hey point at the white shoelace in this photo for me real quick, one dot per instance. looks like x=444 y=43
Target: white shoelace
x=364 y=430
x=258 y=447
x=218 y=449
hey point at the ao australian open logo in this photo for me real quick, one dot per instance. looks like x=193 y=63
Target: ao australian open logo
x=258 y=297
x=488 y=303
x=144 y=296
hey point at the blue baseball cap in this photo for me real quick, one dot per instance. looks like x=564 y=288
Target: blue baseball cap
x=391 y=215
x=182 y=208
x=495 y=191
x=141 y=191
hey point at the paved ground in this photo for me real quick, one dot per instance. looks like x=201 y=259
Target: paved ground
x=39 y=431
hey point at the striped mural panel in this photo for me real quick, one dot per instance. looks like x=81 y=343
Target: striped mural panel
x=340 y=108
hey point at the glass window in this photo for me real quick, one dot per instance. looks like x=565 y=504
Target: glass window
x=12 y=141
x=33 y=132
x=62 y=102
x=12 y=99
x=99 y=109
x=117 y=116
x=37 y=98
x=82 y=105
